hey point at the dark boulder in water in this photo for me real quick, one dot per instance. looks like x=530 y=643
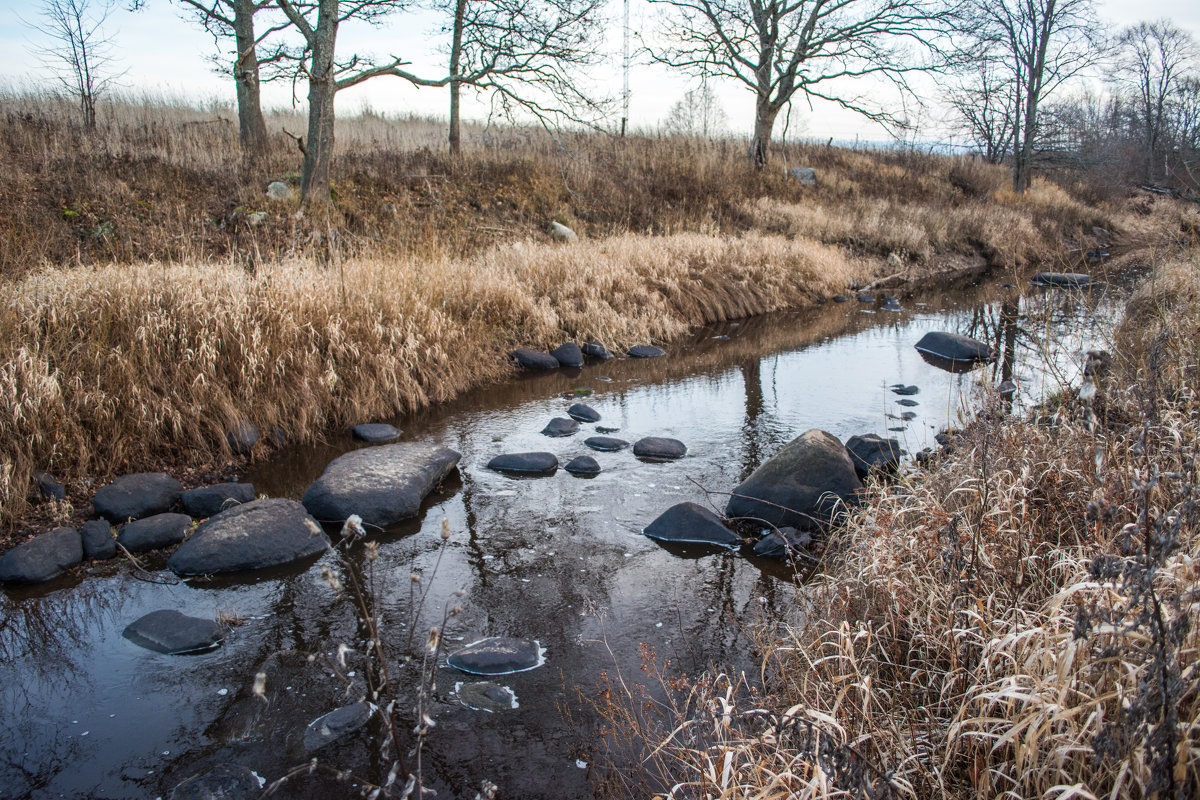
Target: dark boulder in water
x=802 y=486
x=535 y=359
x=840 y=298
x=583 y=413
x=901 y=389
x=659 y=448
x=568 y=354
x=560 y=427
x=376 y=432
x=908 y=403
x=1068 y=280
x=42 y=557
x=525 y=462
x=688 y=523
x=865 y=298
x=596 y=350
x=871 y=451
x=583 y=465
x=98 y=541
x=646 y=351
x=337 y=724
x=954 y=347
x=168 y=631
x=135 y=496
x=783 y=544
x=154 y=533
x=209 y=500
x=486 y=696
x=605 y=444
x=498 y=655
x=257 y=535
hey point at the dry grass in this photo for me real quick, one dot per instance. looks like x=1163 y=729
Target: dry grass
x=1017 y=622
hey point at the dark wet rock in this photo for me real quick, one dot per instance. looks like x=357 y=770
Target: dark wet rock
x=154 y=533
x=486 y=696
x=583 y=465
x=257 y=535
x=603 y=429
x=328 y=728
x=559 y=427
x=891 y=307
x=908 y=415
x=1006 y=389
x=691 y=523
x=209 y=500
x=1096 y=256
x=605 y=444
x=840 y=298
x=1070 y=280
x=135 y=496
x=168 y=631
x=901 y=389
x=42 y=557
x=801 y=486
x=596 y=350
x=568 y=354
x=498 y=655
x=98 y=541
x=907 y=403
x=222 y=782
x=535 y=359
x=865 y=298
x=48 y=487
x=871 y=451
x=783 y=544
x=583 y=413
x=954 y=347
x=242 y=437
x=376 y=432
x=646 y=351
x=525 y=462
x=382 y=485
x=659 y=448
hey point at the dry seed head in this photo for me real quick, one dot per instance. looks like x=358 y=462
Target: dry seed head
x=330 y=578
x=372 y=551
x=414 y=577
x=260 y=685
x=434 y=637
x=445 y=529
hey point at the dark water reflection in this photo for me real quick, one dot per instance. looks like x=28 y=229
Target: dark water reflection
x=84 y=712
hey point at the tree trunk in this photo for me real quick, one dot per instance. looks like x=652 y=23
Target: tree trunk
x=252 y=128
x=764 y=123
x=460 y=11
x=322 y=86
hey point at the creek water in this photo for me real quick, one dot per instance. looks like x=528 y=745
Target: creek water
x=86 y=713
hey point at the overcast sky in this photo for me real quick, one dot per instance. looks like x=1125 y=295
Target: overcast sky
x=163 y=51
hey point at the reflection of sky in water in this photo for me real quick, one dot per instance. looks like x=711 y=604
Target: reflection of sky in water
x=560 y=559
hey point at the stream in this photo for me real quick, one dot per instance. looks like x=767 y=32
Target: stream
x=561 y=559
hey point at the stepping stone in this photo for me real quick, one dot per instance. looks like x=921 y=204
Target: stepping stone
x=583 y=413
x=605 y=444
x=533 y=463
x=908 y=416
x=485 y=696
x=242 y=437
x=257 y=535
x=135 y=496
x=568 y=355
x=783 y=544
x=583 y=465
x=659 y=448
x=98 y=541
x=383 y=485
x=498 y=655
x=535 y=359
x=376 y=432
x=907 y=402
x=337 y=724
x=840 y=298
x=1069 y=280
x=954 y=347
x=873 y=452
x=222 y=782
x=646 y=351
x=692 y=524
x=865 y=298
x=43 y=557
x=168 y=631
x=596 y=350
x=154 y=533
x=559 y=427
x=603 y=429
x=901 y=389
x=208 y=500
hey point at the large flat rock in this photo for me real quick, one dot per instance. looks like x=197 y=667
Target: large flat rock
x=168 y=631
x=42 y=558
x=135 y=496
x=154 y=533
x=691 y=523
x=800 y=486
x=257 y=535
x=954 y=347
x=383 y=485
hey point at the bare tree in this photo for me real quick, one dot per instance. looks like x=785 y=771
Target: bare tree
x=697 y=113
x=1038 y=45
x=781 y=48
x=81 y=49
x=984 y=100
x=1154 y=58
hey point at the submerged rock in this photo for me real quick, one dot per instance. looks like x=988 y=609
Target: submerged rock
x=525 y=462
x=98 y=541
x=783 y=544
x=871 y=451
x=498 y=655
x=568 y=354
x=1069 y=280
x=222 y=782
x=646 y=351
x=486 y=696
x=866 y=298
x=42 y=557
x=596 y=350
x=135 y=496
x=907 y=402
x=691 y=523
x=154 y=533
x=560 y=427
x=209 y=500
x=605 y=444
x=376 y=432
x=954 y=347
x=659 y=448
x=382 y=485
x=583 y=465
x=535 y=359
x=801 y=486
x=168 y=631
x=583 y=413
x=339 y=723
x=257 y=535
